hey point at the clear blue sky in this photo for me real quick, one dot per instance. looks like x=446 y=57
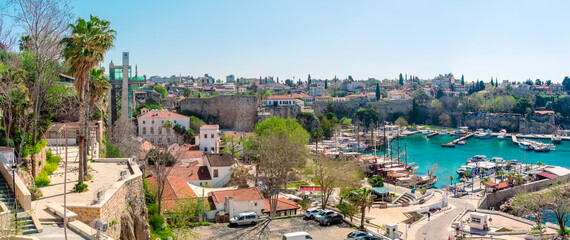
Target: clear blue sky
x=512 y=40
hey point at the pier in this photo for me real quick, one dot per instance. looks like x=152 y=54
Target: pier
x=454 y=142
x=432 y=134
x=514 y=138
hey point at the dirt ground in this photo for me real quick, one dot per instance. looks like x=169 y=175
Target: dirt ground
x=275 y=229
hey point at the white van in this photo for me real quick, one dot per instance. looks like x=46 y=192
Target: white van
x=245 y=219
x=296 y=236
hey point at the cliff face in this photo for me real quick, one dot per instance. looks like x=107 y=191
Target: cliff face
x=134 y=224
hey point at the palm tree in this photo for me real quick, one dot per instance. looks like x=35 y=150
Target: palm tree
x=83 y=51
x=500 y=174
x=98 y=87
x=316 y=135
x=363 y=199
x=450 y=180
x=486 y=179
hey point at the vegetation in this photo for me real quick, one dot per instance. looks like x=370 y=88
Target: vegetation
x=363 y=199
x=51 y=165
x=376 y=181
x=161 y=90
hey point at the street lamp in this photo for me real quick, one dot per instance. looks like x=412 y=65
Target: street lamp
x=15 y=166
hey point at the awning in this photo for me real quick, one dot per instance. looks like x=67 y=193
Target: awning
x=381 y=190
x=547 y=175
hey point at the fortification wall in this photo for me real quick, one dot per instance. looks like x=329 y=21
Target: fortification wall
x=229 y=111
x=347 y=108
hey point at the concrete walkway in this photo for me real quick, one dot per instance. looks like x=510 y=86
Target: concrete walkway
x=439 y=224
x=55 y=232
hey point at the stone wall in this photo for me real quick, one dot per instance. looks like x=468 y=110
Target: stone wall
x=347 y=108
x=39 y=161
x=123 y=208
x=493 y=199
x=229 y=111
x=284 y=111
x=493 y=121
x=537 y=127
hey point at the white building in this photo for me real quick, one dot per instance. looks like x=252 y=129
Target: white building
x=151 y=126
x=397 y=95
x=220 y=168
x=317 y=89
x=210 y=138
x=234 y=202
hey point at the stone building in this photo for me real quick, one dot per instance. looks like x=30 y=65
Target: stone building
x=151 y=126
x=229 y=111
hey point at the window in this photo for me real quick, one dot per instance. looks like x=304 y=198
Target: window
x=159 y=130
x=174 y=121
x=143 y=122
x=151 y=130
x=205 y=135
x=255 y=204
x=212 y=149
x=144 y=130
x=162 y=122
x=212 y=135
x=152 y=121
x=200 y=184
x=216 y=174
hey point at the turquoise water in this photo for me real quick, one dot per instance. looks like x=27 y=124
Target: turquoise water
x=426 y=151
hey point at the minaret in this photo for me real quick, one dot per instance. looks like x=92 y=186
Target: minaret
x=125 y=88
x=136 y=72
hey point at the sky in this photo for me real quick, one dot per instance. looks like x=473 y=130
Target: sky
x=508 y=39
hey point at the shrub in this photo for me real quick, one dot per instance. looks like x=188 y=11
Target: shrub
x=53 y=159
x=48 y=154
x=156 y=221
x=42 y=180
x=80 y=187
x=49 y=168
x=152 y=209
x=376 y=181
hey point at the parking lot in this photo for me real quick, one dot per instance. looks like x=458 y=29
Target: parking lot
x=274 y=229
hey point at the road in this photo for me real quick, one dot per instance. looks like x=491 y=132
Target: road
x=438 y=227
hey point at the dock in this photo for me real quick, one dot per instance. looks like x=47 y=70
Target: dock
x=454 y=142
x=432 y=134
x=514 y=138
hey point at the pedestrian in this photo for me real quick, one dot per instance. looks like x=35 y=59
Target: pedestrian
x=429 y=215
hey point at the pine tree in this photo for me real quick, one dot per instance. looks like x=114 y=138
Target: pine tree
x=377 y=91
x=462 y=80
x=326 y=84
x=492 y=83
x=401 y=81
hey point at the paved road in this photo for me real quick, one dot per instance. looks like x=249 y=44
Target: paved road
x=51 y=232
x=437 y=228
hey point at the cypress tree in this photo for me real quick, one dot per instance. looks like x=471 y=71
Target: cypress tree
x=377 y=91
x=492 y=83
x=401 y=81
x=462 y=80
x=326 y=84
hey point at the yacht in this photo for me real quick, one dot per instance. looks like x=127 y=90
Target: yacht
x=479 y=132
x=497 y=160
x=525 y=145
x=502 y=134
x=477 y=158
x=443 y=132
x=461 y=143
x=484 y=134
x=464 y=168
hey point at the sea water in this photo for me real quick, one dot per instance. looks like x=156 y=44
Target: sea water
x=427 y=151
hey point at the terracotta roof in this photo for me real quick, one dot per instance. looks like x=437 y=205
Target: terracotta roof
x=188 y=172
x=544 y=112
x=162 y=114
x=502 y=185
x=283 y=204
x=219 y=160
x=239 y=195
x=279 y=97
x=147 y=146
x=210 y=126
x=547 y=175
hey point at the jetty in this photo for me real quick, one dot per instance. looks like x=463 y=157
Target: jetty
x=514 y=138
x=454 y=142
x=432 y=134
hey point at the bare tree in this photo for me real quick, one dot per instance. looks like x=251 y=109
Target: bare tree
x=533 y=205
x=44 y=22
x=559 y=205
x=328 y=175
x=159 y=163
x=124 y=139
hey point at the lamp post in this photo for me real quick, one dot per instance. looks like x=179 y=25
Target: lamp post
x=15 y=166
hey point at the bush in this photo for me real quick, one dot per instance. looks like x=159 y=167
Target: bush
x=80 y=187
x=156 y=221
x=53 y=159
x=152 y=208
x=49 y=168
x=376 y=181
x=42 y=180
x=48 y=154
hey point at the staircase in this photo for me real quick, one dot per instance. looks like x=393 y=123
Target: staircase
x=406 y=198
x=24 y=221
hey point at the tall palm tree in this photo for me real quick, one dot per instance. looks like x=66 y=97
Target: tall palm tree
x=98 y=87
x=363 y=199
x=83 y=51
x=316 y=135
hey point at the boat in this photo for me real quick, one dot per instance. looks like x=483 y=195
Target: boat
x=461 y=143
x=541 y=148
x=443 y=132
x=556 y=139
x=525 y=145
x=502 y=134
x=479 y=132
x=463 y=169
x=497 y=160
x=477 y=158
x=487 y=134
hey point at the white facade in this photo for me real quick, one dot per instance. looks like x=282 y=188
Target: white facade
x=151 y=126
x=210 y=139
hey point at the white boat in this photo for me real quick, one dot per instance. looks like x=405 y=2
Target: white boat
x=461 y=143
x=502 y=134
x=497 y=160
x=484 y=134
x=443 y=132
x=525 y=145
x=477 y=158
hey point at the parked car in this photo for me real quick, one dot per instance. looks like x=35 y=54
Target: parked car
x=248 y=218
x=369 y=238
x=358 y=235
x=311 y=213
x=296 y=236
x=331 y=219
x=324 y=214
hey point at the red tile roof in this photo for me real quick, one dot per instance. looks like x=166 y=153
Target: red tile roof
x=283 y=204
x=162 y=114
x=239 y=195
x=547 y=175
x=544 y=112
x=210 y=126
x=503 y=185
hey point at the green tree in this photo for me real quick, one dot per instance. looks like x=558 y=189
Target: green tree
x=566 y=83
x=278 y=148
x=187 y=92
x=534 y=205
x=401 y=121
x=363 y=199
x=559 y=205
x=316 y=136
x=326 y=84
x=462 y=80
x=376 y=181
x=378 y=91
x=522 y=104
x=83 y=51
x=161 y=90
x=401 y=80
